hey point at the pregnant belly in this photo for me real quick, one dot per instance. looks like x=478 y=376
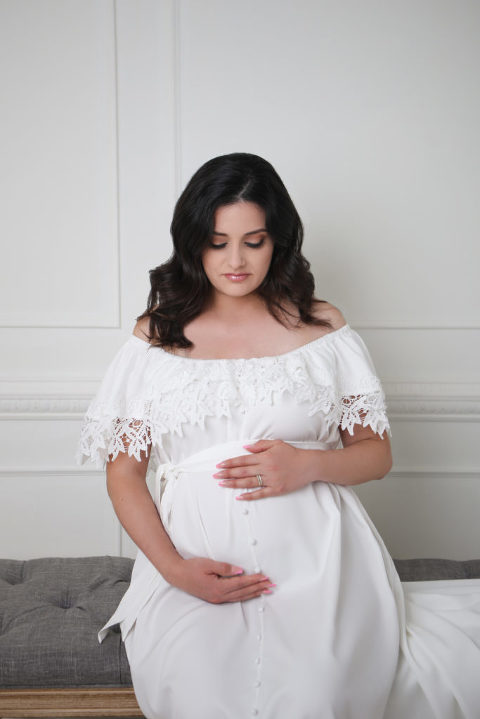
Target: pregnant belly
x=287 y=536
x=318 y=531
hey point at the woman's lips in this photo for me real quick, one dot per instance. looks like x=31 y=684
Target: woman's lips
x=237 y=278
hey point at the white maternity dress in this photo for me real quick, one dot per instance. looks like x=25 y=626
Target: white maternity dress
x=340 y=637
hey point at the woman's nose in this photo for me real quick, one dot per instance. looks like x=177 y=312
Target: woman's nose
x=236 y=259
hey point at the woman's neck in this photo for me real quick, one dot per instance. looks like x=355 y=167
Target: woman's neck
x=240 y=310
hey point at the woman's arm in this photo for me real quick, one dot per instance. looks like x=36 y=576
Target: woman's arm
x=134 y=507
x=365 y=455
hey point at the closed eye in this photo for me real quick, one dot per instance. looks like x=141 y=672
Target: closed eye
x=248 y=244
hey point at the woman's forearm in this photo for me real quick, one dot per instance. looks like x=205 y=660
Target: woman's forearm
x=138 y=515
x=357 y=463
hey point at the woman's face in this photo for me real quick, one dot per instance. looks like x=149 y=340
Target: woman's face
x=238 y=255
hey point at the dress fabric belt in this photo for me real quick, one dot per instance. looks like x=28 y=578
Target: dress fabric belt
x=168 y=473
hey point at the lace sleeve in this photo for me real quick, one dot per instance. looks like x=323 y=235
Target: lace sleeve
x=361 y=399
x=368 y=409
x=103 y=438
x=118 y=418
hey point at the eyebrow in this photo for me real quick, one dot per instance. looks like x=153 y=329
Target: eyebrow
x=253 y=232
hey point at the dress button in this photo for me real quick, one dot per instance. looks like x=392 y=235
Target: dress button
x=254 y=712
x=253 y=541
x=245 y=510
x=257 y=684
x=257 y=660
x=259 y=637
x=257 y=570
x=261 y=609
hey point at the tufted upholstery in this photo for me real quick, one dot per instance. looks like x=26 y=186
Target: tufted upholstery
x=52 y=608
x=50 y=612
x=416 y=570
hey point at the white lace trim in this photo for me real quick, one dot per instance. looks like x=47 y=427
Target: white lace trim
x=175 y=391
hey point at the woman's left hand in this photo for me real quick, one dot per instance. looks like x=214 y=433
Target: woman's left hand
x=278 y=463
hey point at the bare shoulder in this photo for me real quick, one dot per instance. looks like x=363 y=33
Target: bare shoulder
x=141 y=329
x=327 y=311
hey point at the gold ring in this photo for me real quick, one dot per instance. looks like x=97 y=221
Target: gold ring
x=260 y=480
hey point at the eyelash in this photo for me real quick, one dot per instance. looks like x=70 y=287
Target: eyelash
x=219 y=247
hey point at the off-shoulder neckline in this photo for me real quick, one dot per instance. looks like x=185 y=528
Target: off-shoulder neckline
x=327 y=337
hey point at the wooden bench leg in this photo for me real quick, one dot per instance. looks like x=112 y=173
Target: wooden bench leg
x=79 y=702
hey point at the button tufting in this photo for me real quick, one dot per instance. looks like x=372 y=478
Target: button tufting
x=55 y=586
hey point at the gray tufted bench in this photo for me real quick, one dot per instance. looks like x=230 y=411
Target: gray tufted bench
x=51 y=663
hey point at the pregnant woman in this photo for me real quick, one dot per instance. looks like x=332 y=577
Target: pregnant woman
x=261 y=586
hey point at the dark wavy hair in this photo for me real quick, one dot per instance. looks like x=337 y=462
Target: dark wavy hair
x=180 y=287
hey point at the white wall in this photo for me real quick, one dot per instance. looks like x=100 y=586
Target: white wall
x=369 y=111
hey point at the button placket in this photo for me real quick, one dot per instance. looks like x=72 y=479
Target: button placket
x=252 y=540
x=259 y=656
x=258 y=659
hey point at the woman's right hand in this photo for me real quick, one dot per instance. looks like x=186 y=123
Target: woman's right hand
x=218 y=582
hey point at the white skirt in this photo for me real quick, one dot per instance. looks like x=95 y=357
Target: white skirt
x=339 y=637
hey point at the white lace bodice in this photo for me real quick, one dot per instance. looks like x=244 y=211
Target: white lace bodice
x=181 y=405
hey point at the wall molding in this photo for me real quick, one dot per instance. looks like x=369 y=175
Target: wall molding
x=5 y=322
x=70 y=472
x=73 y=472
x=433 y=401
x=46 y=407
x=426 y=472
x=360 y=325
x=177 y=98
x=406 y=401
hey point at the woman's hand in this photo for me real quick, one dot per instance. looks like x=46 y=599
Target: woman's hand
x=280 y=465
x=218 y=582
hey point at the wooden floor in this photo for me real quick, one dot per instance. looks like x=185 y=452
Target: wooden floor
x=80 y=702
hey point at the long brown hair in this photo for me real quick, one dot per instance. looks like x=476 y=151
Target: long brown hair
x=180 y=287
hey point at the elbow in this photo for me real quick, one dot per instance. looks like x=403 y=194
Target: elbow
x=386 y=465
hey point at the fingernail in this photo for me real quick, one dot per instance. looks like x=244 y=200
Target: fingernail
x=238 y=570
x=272 y=585
x=267 y=591
x=246 y=446
x=220 y=464
x=223 y=484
